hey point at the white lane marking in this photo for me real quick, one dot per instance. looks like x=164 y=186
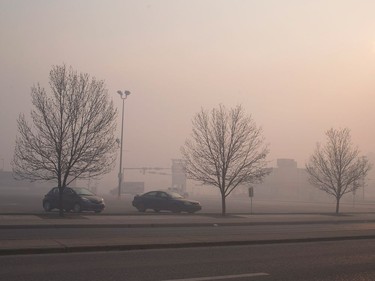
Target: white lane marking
x=221 y=277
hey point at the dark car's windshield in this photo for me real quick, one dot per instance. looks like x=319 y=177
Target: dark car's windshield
x=175 y=195
x=82 y=191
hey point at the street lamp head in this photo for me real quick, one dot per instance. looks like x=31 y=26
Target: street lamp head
x=124 y=94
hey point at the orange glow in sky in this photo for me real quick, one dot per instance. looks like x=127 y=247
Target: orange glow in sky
x=298 y=67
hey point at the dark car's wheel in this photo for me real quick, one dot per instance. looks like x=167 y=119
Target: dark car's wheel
x=141 y=208
x=77 y=208
x=176 y=209
x=47 y=206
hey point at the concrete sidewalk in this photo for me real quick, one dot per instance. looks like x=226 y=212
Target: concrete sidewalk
x=280 y=224
x=82 y=220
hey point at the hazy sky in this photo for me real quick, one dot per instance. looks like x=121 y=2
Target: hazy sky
x=298 y=67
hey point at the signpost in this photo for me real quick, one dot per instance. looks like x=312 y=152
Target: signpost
x=251 y=195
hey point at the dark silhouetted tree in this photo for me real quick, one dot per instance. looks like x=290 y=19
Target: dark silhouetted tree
x=71 y=133
x=336 y=168
x=226 y=149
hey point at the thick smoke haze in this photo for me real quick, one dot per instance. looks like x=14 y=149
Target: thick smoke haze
x=298 y=67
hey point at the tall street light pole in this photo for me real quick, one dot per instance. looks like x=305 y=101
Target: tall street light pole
x=123 y=95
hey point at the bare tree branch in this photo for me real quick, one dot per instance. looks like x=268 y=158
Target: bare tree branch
x=225 y=150
x=337 y=168
x=71 y=135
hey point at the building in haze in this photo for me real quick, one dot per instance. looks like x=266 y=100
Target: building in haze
x=289 y=183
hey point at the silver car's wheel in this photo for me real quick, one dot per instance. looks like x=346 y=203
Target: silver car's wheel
x=47 y=206
x=77 y=208
x=141 y=208
x=176 y=210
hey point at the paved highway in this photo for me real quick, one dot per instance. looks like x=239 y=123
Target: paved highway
x=103 y=235
x=323 y=261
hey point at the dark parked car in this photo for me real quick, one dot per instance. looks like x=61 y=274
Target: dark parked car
x=165 y=200
x=75 y=199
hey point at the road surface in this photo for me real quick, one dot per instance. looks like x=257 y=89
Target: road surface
x=323 y=261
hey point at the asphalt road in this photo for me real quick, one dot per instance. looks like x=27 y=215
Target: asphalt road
x=100 y=235
x=324 y=261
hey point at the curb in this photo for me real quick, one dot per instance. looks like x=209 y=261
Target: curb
x=107 y=248
x=163 y=225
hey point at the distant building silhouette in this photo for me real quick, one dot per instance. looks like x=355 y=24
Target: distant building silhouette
x=178 y=175
x=286 y=182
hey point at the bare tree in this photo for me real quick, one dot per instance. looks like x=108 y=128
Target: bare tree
x=337 y=168
x=71 y=135
x=225 y=150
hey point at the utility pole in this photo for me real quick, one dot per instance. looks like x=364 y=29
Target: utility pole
x=123 y=95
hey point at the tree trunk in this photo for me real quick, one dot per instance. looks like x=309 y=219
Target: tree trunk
x=223 y=207
x=337 y=205
x=61 y=209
